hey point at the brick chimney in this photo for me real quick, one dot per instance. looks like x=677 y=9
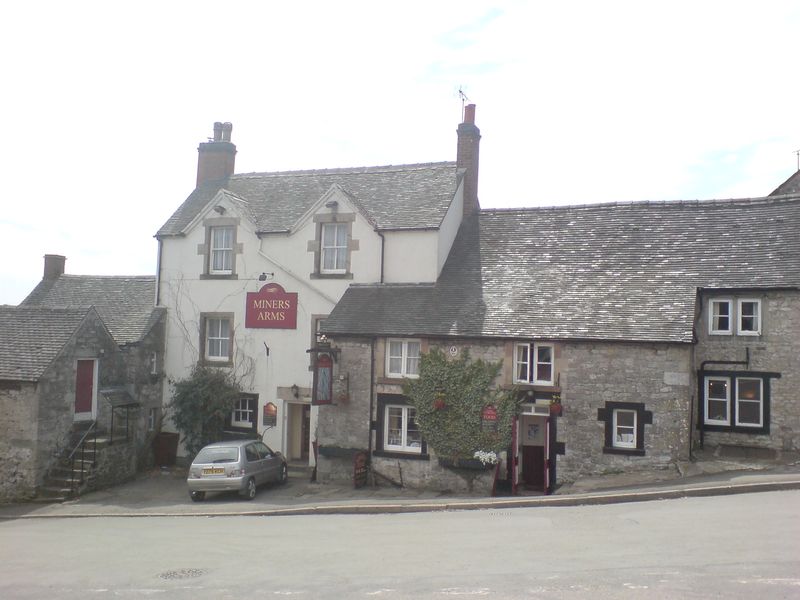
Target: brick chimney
x=469 y=140
x=216 y=158
x=53 y=266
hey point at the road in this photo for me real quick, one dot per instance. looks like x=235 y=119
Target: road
x=743 y=546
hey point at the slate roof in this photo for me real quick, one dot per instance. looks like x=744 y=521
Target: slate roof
x=125 y=303
x=31 y=337
x=608 y=271
x=394 y=196
x=790 y=186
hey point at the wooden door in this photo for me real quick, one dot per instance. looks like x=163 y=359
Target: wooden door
x=84 y=389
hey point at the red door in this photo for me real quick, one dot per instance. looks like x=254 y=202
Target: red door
x=84 y=387
x=514 y=456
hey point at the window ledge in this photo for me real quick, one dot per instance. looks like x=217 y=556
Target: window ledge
x=409 y=455
x=212 y=276
x=394 y=380
x=331 y=276
x=628 y=451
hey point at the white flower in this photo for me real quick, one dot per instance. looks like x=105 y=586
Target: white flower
x=487 y=458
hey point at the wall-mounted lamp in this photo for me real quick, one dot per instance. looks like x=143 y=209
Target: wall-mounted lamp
x=295 y=390
x=265 y=276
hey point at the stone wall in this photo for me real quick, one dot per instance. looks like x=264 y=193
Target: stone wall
x=56 y=390
x=593 y=373
x=588 y=374
x=344 y=427
x=776 y=350
x=115 y=464
x=18 y=429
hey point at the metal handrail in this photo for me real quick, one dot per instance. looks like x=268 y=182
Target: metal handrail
x=82 y=447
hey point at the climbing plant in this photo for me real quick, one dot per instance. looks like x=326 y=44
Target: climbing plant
x=450 y=396
x=200 y=405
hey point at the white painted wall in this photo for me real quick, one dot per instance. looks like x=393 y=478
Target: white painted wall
x=411 y=257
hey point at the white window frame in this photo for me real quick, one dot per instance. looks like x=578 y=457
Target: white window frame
x=706 y=384
x=154 y=363
x=152 y=418
x=757 y=316
x=338 y=250
x=244 y=407
x=536 y=363
x=618 y=443
x=404 y=445
x=209 y=322
x=404 y=356
x=760 y=402
x=526 y=356
x=522 y=359
x=712 y=314
x=224 y=250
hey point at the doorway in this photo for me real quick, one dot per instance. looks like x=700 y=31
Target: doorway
x=532 y=450
x=299 y=434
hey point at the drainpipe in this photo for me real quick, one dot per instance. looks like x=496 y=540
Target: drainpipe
x=371 y=398
x=158 y=272
x=383 y=247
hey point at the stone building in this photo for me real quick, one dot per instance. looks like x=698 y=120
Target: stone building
x=80 y=354
x=656 y=326
x=251 y=264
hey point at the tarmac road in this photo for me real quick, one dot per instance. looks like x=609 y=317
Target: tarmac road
x=737 y=546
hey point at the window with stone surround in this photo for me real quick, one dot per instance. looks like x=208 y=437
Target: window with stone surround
x=624 y=427
x=220 y=248
x=333 y=245
x=738 y=402
x=216 y=333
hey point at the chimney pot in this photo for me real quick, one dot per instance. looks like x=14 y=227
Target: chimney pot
x=53 y=266
x=217 y=131
x=226 y=132
x=469 y=114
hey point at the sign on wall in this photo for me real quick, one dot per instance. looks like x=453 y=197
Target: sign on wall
x=271 y=308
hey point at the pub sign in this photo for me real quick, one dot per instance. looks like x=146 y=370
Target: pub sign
x=271 y=308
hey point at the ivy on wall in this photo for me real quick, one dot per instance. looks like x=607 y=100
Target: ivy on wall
x=450 y=396
x=200 y=405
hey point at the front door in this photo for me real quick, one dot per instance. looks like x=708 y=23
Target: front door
x=85 y=392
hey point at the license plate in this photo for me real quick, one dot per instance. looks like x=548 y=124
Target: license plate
x=214 y=471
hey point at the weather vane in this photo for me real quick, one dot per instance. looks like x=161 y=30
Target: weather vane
x=464 y=99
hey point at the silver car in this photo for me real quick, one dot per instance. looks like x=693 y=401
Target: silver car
x=235 y=466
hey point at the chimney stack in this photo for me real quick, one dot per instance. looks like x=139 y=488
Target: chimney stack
x=469 y=139
x=53 y=266
x=216 y=158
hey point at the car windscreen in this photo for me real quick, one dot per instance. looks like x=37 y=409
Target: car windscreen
x=217 y=455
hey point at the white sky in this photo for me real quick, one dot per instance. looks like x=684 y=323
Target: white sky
x=104 y=104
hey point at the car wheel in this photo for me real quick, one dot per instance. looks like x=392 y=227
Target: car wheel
x=250 y=491
x=284 y=474
x=198 y=496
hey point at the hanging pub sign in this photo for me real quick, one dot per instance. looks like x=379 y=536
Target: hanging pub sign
x=270 y=415
x=271 y=308
x=323 y=379
x=489 y=418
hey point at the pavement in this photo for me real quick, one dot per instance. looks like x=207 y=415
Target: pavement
x=162 y=492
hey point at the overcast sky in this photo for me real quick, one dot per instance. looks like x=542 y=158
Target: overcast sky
x=104 y=104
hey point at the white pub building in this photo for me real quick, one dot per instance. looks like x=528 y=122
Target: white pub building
x=250 y=264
